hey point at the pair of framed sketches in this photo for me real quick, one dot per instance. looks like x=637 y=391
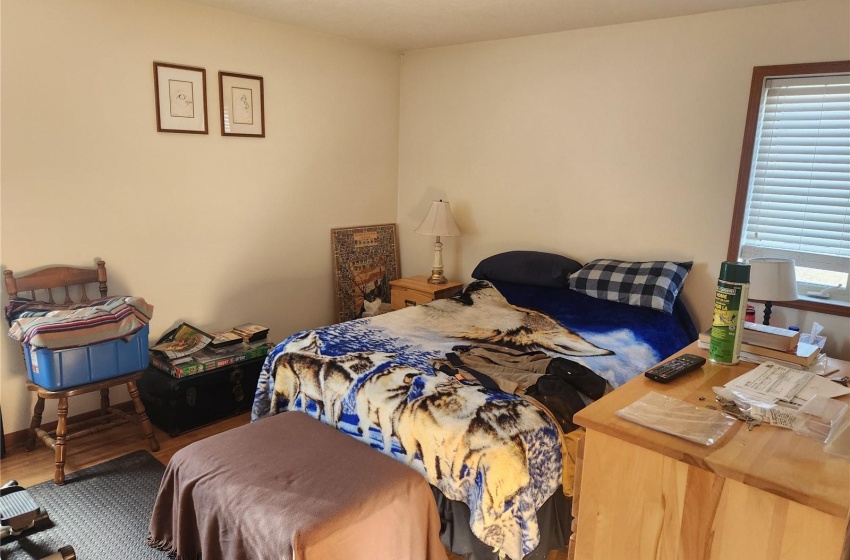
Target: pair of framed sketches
x=365 y=260
x=181 y=101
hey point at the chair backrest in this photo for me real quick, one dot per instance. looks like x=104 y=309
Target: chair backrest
x=57 y=277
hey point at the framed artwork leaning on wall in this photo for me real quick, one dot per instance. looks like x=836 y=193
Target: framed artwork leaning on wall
x=365 y=260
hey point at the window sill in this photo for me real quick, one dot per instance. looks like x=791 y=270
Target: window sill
x=835 y=307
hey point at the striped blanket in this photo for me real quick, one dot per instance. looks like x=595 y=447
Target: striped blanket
x=56 y=326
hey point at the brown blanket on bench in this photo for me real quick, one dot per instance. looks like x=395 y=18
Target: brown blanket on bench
x=291 y=487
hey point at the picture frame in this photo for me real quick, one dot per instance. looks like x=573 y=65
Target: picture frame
x=181 y=98
x=241 y=104
x=365 y=260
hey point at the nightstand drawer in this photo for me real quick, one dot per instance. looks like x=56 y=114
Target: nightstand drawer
x=415 y=290
x=402 y=297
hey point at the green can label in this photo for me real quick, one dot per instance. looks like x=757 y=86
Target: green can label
x=728 y=322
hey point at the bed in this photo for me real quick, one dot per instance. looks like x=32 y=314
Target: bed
x=496 y=459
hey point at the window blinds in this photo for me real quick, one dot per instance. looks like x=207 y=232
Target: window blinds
x=799 y=197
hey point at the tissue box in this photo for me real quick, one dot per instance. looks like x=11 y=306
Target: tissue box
x=60 y=369
x=818 y=341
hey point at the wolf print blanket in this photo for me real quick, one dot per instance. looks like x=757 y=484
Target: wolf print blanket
x=371 y=378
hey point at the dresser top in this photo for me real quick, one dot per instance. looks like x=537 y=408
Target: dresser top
x=773 y=459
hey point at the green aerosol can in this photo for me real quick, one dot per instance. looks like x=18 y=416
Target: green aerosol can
x=730 y=307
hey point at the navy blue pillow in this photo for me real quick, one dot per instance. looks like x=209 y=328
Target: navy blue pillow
x=531 y=268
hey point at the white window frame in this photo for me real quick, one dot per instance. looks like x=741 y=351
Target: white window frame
x=839 y=304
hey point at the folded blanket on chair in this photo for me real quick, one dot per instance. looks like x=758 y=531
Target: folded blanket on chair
x=57 y=326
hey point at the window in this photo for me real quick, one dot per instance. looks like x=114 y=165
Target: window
x=793 y=198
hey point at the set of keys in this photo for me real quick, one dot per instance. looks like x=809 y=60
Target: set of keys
x=730 y=408
x=842 y=381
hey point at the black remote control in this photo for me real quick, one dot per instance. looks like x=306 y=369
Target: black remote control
x=674 y=368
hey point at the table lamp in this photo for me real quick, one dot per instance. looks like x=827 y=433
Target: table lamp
x=772 y=280
x=439 y=222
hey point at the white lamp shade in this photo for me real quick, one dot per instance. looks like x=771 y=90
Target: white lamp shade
x=773 y=279
x=439 y=221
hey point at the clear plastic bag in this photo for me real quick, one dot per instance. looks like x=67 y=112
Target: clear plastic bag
x=820 y=417
x=838 y=441
x=678 y=418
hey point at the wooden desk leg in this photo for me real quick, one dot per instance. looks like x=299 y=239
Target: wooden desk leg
x=59 y=444
x=35 y=423
x=145 y=422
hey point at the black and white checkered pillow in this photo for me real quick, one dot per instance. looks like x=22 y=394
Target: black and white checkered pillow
x=653 y=284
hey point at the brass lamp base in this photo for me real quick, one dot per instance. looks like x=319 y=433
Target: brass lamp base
x=437 y=277
x=437 y=268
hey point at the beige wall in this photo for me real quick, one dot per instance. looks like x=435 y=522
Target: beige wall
x=212 y=230
x=614 y=142
x=593 y=143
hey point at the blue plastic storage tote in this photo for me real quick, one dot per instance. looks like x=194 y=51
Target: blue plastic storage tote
x=61 y=369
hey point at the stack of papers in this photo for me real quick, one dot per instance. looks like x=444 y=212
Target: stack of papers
x=771 y=382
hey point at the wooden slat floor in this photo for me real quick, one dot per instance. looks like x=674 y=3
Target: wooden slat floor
x=33 y=467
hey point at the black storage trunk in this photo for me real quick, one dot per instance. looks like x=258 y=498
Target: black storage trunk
x=179 y=404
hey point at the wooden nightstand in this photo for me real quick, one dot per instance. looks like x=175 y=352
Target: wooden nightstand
x=415 y=290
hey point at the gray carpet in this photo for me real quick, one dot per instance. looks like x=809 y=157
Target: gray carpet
x=102 y=511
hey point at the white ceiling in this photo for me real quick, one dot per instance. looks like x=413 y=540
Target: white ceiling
x=416 y=24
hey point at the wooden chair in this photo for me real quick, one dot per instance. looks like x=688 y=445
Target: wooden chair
x=63 y=279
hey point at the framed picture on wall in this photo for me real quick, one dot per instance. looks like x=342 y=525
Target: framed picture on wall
x=365 y=260
x=241 y=102
x=181 y=98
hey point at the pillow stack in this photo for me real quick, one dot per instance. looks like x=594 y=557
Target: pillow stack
x=652 y=284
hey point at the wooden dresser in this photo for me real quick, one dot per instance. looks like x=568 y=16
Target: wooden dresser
x=765 y=494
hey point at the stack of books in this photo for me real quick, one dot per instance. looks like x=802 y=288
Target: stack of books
x=211 y=351
x=774 y=343
x=251 y=332
x=246 y=332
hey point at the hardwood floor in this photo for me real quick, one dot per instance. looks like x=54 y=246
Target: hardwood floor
x=32 y=467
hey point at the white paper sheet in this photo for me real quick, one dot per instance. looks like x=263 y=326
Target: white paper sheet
x=824 y=387
x=772 y=381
